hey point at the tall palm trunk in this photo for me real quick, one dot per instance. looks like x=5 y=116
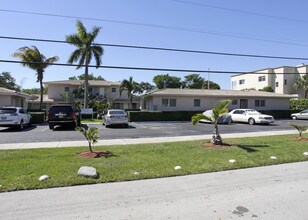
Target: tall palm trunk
x=86 y=81
x=42 y=93
x=216 y=138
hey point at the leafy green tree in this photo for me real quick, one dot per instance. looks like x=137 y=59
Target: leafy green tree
x=193 y=81
x=218 y=110
x=131 y=87
x=7 y=81
x=90 y=77
x=34 y=91
x=146 y=87
x=166 y=81
x=212 y=85
x=68 y=97
x=302 y=83
x=86 y=49
x=299 y=128
x=92 y=135
x=34 y=59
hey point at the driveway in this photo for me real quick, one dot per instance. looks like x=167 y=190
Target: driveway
x=267 y=193
x=41 y=133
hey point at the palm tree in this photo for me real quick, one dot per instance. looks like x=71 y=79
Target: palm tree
x=299 y=128
x=86 y=49
x=131 y=87
x=32 y=58
x=218 y=110
x=302 y=83
x=92 y=135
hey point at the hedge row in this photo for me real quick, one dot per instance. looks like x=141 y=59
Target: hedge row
x=298 y=104
x=37 y=117
x=279 y=114
x=161 y=116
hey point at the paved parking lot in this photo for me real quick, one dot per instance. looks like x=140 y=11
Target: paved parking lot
x=41 y=133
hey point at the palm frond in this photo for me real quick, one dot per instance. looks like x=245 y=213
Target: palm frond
x=81 y=30
x=196 y=118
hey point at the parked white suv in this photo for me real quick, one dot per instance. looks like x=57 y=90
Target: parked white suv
x=14 y=117
x=251 y=116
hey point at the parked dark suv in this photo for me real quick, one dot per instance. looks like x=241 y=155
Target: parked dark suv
x=63 y=114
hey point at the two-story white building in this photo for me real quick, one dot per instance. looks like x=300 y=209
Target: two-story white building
x=280 y=79
x=98 y=88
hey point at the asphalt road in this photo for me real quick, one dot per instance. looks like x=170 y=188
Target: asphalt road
x=277 y=192
x=41 y=133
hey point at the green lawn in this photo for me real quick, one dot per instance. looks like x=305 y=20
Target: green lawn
x=20 y=169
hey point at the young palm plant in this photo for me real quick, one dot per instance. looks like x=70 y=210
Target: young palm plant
x=86 y=49
x=91 y=135
x=32 y=58
x=299 y=128
x=218 y=110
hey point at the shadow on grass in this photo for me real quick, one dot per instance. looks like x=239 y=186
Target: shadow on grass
x=250 y=148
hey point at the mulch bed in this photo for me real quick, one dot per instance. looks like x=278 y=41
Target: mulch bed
x=223 y=145
x=94 y=154
x=299 y=139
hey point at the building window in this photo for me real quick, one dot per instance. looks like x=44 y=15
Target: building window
x=66 y=89
x=234 y=102
x=259 y=103
x=197 y=102
x=285 y=82
x=242 y=81
x=277 y=84
x=165 y=102
x=113 y=89
x=172 y=102
x=261 y=78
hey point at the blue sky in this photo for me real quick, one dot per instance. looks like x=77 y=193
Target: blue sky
x=210 y=23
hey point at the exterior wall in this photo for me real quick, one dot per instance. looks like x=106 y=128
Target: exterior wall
x=5 y=100
x=54 y=91
x=8 y=100
x=187 y=103
x=252 y=80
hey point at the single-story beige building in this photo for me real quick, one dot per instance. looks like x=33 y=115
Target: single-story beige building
x=201 y=100
x=12 y=98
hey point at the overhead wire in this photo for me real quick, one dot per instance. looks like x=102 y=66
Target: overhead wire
x=163 y=49
x=156 y=26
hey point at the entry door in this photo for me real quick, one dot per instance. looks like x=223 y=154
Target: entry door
x=243 y=103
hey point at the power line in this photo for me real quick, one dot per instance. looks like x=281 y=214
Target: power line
x=164 y=49
x=241 y=11
x=140 y=68
x=157 y=26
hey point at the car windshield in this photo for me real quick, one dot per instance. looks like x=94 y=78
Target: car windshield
x=117 y=112
x=57 y=109
x=7 y=110
x=252 y=112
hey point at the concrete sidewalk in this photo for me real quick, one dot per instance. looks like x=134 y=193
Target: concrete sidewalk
x=126 y=141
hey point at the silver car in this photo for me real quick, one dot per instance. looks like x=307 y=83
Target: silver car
x=301 y=115
x=115 y=117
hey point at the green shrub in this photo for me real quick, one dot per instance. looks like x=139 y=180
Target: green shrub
x=37 y=117
x=298 y=104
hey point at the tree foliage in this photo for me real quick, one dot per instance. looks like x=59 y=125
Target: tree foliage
x=166 y=81
x=267 y=89
x=9 y=82
x=86 y=50
x=302 y=83
x=90 y=77
x=34 y=91
x=34 y=59
x=131 y=87
x=298 y=104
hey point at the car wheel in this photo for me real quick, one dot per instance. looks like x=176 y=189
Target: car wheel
x=51 y=126
x=251 y=121
x=294 y=117
x=21 y=125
